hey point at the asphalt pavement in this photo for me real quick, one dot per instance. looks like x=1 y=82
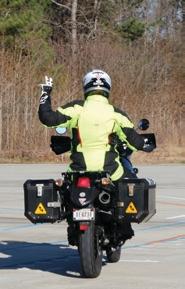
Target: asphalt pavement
x=38 y=256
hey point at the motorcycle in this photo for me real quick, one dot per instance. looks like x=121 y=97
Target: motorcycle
x=87 y=201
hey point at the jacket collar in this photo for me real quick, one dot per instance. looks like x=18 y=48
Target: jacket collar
x=98 y=97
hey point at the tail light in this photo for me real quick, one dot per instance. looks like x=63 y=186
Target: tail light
x=84 y=182
x=84 y=227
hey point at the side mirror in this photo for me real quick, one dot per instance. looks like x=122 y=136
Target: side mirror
x=143 y=124
x=60 y=130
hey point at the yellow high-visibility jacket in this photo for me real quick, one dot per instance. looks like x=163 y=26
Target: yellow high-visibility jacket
x=91 y=122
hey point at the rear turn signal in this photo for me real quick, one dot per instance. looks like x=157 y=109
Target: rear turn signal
x=105 y=181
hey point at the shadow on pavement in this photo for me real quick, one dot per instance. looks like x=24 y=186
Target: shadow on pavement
x=55 y=258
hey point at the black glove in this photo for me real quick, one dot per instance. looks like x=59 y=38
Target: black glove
x=60 y=144
x=46 y=89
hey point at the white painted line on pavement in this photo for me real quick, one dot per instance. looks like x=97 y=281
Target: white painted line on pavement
x=73 y=273
x=175 y=217
x=139 y=261
x=2 y=255
x=24 y=269
x=171 y=197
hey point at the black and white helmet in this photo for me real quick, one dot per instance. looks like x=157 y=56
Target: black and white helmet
x=97 y=81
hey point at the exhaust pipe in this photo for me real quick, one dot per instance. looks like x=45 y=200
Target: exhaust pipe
x=104 y=198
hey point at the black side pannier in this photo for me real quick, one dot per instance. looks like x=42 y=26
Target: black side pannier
x=139 y=199
x=42 y=201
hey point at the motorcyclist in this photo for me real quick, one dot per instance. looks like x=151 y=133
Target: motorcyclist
x=92 y=122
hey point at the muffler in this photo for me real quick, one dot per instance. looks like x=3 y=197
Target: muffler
x=104 y=198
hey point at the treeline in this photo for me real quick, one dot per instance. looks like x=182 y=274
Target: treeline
x=139 y=43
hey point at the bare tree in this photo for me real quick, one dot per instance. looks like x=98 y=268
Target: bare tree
x=1 y=121
x=74 y=40
x=74 y=28
x=97 y=5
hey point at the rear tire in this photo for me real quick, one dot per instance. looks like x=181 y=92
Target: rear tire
x=90 y=252
x=113 y=255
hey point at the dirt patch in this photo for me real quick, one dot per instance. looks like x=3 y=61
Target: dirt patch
x=170 y=154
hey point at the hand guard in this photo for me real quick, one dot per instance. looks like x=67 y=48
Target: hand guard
x=148 y=147
x=46 y=89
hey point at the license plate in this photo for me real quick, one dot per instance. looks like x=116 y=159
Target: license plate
x=84 y=214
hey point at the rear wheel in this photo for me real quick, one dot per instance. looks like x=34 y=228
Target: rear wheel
x=113 y=254
x=90 y=252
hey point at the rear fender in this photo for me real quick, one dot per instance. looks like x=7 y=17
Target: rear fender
x=82 y=197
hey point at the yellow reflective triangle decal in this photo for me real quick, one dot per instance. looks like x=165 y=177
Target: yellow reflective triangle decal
x=131 y=209
x=40 y=210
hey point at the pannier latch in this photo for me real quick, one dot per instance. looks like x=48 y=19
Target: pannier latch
x=39 y=189
x=131 y=190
